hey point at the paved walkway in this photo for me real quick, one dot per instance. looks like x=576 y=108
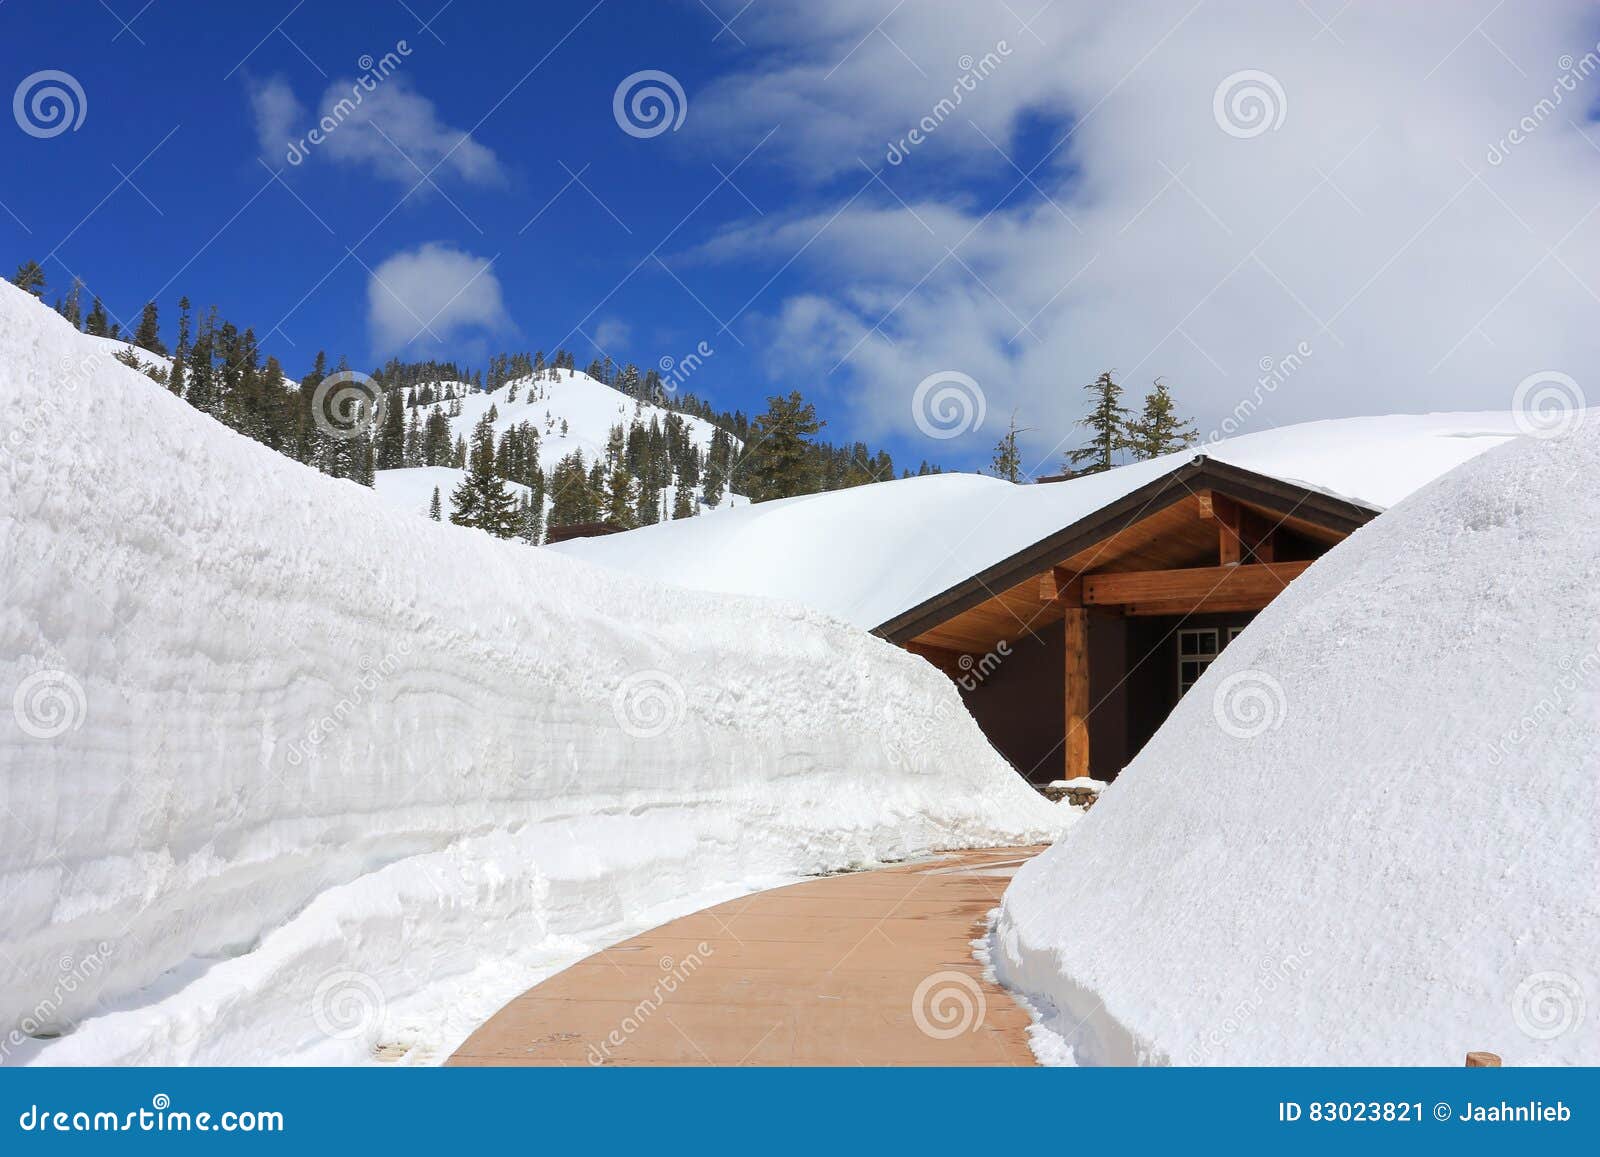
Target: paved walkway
x=871 y=968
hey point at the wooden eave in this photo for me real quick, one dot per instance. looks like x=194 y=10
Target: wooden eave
x=1159 y=526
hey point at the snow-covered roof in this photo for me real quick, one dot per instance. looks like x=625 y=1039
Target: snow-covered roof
x=873 y=552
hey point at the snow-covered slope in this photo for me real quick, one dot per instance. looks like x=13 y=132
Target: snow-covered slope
x=289 y=774
x=867 y=554
x=570 y=410
x=1370 y=834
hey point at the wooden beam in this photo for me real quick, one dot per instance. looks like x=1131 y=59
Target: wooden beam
x=1075 y=621
x=1058 y=584
x=1255 y=584
x=1225 y=511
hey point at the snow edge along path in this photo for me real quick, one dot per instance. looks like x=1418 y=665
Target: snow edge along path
x=292 y=776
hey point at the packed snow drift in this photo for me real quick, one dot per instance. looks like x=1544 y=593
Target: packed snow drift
x=867 y=554
x=291 y=775
x=1370 y=833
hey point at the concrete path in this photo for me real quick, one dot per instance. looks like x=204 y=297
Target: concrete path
x=870 y=968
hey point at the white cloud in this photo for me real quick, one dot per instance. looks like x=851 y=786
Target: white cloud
x=431 y=295
x=279 y=116
x=398 y=132
x=389 y=127
x=1371 y=224
x=611 y=335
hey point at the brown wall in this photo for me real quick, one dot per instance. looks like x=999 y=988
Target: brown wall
x=1133 y=672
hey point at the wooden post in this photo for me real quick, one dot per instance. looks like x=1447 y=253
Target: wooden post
x=1075 y=620
x=1483 y=1061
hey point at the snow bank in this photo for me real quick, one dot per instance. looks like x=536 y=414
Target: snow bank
x=1369 y=834
x=869 y=553
x=292 y=775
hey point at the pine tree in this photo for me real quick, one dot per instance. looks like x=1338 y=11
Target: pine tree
x=434 y=505
x=482 y=499
x=392 y=435
x=72 y=307
x=97 y=322
x=622 y=496
x=682 y=502
x=716 y=475
x=779 y=462
x=147 y=335
x=1158 y=429
x=180 y=356
x=1109 y=420
x=30 y=278
x=1007 y=458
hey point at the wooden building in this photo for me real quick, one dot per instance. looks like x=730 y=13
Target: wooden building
x=1071 y=652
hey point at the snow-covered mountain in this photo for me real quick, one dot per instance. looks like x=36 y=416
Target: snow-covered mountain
x=1367 y=835
x=290 y=775
x=569 y=410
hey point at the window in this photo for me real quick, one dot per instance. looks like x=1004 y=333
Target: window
x=1197 y=647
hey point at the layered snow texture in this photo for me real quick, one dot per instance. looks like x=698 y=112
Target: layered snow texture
x=1370 y=833
x=869 y=553
x=287 y=774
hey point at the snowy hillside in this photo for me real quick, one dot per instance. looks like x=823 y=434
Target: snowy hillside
x=306 y=778
x=1368 y=834
x=868 y=553
x=570 y=412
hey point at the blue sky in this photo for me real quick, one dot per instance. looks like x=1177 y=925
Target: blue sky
x=1088 y=203
x=169 y=106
